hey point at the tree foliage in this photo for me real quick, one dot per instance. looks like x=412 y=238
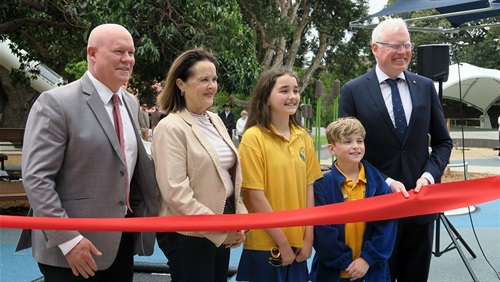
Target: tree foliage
x=55 y=33
x=302 y=34
x=167 y=28
x=312 y=37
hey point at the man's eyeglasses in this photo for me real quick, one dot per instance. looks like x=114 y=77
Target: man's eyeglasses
x=397 y=47
x=275 y=258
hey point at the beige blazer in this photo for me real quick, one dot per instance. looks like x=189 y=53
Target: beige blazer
x=188 y=170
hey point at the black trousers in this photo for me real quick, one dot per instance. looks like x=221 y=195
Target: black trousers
x=122 y=268
x=411 y=257
x=194 y=259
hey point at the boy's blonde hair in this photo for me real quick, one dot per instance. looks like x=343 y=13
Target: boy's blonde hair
x=338 y=130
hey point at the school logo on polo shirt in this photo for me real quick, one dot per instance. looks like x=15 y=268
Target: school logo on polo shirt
x=302 y=153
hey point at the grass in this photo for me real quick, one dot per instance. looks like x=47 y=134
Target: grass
x=322 y=140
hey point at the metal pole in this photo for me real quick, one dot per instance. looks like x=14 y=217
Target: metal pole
x=319 y=90
x=336 y=95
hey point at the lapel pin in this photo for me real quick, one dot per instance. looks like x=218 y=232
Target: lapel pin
x=414 y=82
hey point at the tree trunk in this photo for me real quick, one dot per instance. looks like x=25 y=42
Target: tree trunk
x=15 y=101
x=239 y=102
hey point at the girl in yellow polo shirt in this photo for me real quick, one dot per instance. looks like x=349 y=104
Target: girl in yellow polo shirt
x=279 y=166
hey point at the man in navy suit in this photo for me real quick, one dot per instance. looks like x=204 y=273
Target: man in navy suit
x=403 y=159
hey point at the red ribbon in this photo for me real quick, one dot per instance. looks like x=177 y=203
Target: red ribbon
x=431 y=199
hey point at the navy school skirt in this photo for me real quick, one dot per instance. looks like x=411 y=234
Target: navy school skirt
x=254 y=266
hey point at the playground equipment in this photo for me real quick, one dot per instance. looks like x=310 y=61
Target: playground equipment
x=47 y=78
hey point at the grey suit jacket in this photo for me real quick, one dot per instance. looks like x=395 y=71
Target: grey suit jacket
x=73 y=167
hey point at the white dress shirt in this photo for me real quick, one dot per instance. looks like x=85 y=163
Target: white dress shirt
x=404 y=92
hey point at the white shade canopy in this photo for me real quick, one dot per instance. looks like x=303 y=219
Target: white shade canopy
x=479 y=87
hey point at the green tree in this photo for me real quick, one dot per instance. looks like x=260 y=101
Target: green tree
x=302 y=34
x=310 y=37
x=55 y=33
x=49 y=32
x=167 y=28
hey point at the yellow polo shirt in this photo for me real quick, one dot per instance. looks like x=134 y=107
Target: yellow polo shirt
x=354 y=231
x=282 y=169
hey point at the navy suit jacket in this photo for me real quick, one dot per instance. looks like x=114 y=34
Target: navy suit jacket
x=406 y=160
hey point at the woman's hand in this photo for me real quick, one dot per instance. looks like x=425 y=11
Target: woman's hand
x=234 y=238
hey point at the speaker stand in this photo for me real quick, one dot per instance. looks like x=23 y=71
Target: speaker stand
x=454 y=235
x=440 y=91
x=452 y=232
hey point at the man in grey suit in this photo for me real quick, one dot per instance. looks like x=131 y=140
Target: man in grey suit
x=399 y=132
x=73 y=167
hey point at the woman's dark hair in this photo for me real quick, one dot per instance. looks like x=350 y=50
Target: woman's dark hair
x=170 y=99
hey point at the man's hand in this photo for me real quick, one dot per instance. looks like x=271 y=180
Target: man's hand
x=398 y=187
x=80 y=258
x=421 y=182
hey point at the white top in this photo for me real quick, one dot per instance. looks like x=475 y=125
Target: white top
x=226 y=155
x=240 y=125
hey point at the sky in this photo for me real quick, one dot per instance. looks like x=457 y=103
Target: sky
x=376 y=5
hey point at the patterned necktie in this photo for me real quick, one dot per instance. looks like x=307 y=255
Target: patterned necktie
x=117 y=118
x=397 y=106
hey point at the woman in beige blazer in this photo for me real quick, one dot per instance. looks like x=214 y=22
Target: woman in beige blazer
x=198 y=169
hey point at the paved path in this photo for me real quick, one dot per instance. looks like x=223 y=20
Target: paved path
x=476 y=134
x=484 y=165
